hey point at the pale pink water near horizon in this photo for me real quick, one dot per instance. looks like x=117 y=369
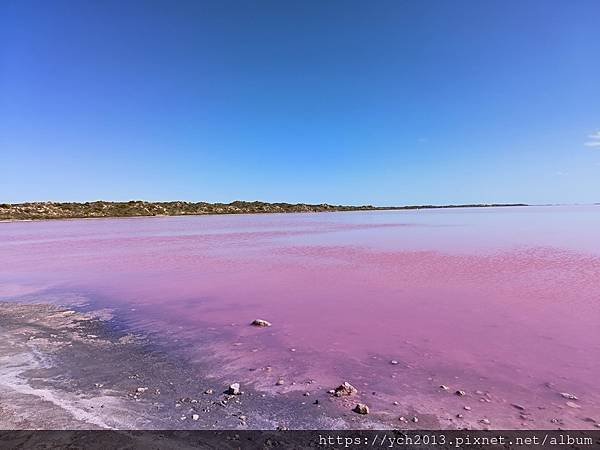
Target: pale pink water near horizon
x=498 y=300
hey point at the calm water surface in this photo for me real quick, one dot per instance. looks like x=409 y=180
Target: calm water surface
x=505 y=300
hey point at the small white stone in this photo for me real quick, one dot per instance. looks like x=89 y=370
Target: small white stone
x=234 y=389
x=569 y=396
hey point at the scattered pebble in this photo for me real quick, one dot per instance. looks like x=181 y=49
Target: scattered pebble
x=141 y=390
x=573 y=405
x=234 y=389
x=568 y=396
x=415 y=419
x=361 y=408
x=460 y=393
x=279 y=382
x=394 y=362
x=459 y=416
x=345 y=389
x=467 y=408
x=195 y=417
x=209 y=391
x=444 y=387
x=261 y=323
x=485 y=421
x=519 y=407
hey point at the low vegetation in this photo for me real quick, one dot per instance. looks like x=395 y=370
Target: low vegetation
x=55 y=210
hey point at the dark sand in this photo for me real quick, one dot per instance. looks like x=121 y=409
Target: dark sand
x=62 y=369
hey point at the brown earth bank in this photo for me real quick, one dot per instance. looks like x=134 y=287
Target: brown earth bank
x=63 y=369
x=56 y=210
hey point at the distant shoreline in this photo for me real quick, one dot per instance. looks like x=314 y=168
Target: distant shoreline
x=102 y=209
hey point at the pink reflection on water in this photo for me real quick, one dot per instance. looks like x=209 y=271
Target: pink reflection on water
x=504 y=300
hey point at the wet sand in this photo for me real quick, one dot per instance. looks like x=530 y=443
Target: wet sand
x=62 y=369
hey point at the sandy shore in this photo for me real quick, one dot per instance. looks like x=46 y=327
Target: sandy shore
x=63 y=369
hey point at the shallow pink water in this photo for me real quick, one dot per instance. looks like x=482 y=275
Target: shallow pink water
x=502 y=300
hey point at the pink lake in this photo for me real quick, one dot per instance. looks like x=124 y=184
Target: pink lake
x=500 y=300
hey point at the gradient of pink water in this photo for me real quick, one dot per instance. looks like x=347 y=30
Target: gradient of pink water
x=504 y=300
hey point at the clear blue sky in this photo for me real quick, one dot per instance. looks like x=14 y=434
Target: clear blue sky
x=383 y=102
